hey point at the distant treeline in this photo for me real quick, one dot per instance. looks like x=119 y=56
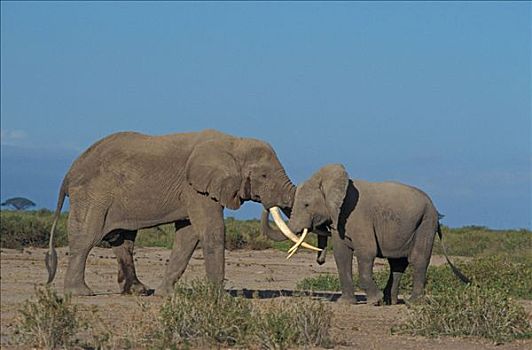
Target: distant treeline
x=32 y=228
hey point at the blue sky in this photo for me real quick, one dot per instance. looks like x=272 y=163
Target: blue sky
x=436 y=95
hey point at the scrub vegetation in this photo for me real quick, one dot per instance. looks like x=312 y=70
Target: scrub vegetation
x=200 y=315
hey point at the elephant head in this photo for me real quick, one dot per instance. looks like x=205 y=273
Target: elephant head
x=316 y=207
x=232 y=170
x=318 y=200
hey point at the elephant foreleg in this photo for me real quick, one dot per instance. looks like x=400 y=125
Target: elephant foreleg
x=343 y=256
x=365 y=273
x=127 y=276
x=185 y=242
x=207 y=219
x=397 y=268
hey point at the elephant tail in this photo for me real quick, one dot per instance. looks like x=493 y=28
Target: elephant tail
x=51 y=256
x=456 y=272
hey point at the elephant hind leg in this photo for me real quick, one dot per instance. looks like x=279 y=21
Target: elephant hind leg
x=397 y=268
x=185 y=242
x=122 y=245
x=419 y=256
x=85 y=228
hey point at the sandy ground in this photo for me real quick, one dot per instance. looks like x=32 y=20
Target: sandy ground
x=357 y=326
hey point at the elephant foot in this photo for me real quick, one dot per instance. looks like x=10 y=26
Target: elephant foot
x=137 y=288
x=347 y=300
x=79 y=290
x=390 y=300
x=375 y=299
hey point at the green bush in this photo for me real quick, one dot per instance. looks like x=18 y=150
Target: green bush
x=469 y=311
x=285 y=323
x=238 y=235
x=241 y=234
x=160 y=236
x=502 y=273
x=202 y=314
x=49 y=321
x=495 y=272
x=484 y=308
x=481 y=241
x=322 y=282
x=32 y=228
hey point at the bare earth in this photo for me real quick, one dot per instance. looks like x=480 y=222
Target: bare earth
x=357 y=326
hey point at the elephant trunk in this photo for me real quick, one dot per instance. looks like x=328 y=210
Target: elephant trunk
x=289 y=195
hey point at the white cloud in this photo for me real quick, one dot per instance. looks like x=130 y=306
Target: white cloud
x=12 y=137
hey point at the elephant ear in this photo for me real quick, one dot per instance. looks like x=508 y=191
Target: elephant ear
x=334 y=182
x=212 y=170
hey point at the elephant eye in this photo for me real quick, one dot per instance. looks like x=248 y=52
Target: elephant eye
x=263 y=176
x=306 y=205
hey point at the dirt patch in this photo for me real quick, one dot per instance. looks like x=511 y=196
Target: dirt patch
x=357 y=326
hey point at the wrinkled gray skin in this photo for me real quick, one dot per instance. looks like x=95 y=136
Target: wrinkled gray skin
x=129 y=181
x=368 y=219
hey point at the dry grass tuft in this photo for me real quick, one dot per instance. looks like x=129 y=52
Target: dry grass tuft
x=469 y=311
x=49 y=321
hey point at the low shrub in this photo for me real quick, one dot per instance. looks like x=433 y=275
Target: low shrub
x=501 y=273
x=202 y=314
x=468 y=311
x=160 y=236
x=240 y=234
x=32 y=228
x=272 y=331
x=484 y=308
x=97 y=333
x=482 y=241
x=49 y=321
x=322 y=282
x=285 y=323
x=18 y=230
x=495 y=272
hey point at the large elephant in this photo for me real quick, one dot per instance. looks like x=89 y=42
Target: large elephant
x=128 y=181
x=368 y=219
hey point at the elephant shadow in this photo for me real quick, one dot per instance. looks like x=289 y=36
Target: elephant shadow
x=276 y=293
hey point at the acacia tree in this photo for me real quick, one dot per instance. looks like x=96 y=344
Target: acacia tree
x=18 y=203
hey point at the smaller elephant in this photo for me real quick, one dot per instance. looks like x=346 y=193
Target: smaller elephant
x=369 y=219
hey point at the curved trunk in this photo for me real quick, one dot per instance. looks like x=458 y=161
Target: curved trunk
x=289 y=190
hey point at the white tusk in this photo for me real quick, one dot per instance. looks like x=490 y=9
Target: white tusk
x=276 y=215
x=300 y=240
x=294 y=249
